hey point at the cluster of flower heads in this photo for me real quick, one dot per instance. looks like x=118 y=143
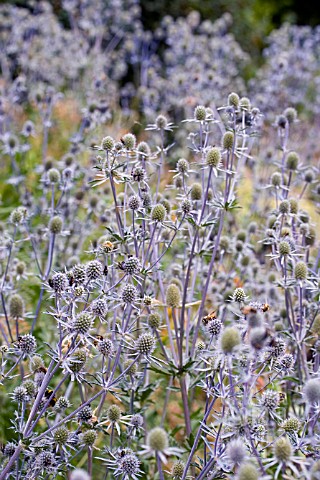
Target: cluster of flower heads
x=135 y=290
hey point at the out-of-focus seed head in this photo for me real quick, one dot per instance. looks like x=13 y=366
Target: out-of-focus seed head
x=78 y=360
x=129 y=141
x=132 y=367
x=144 y=149
x=236 y=451
x=258 y=337
x=309 y=176
x=294 y=206
x=300 y=271
x=292 y=161
x=290 y=114
x=196 y=192
x=31 y=387
x=283 y=449
x=245 y=103
x=154 y=320
x=315 y=471
x=173 y=296
x=18 y=215
x=311 y=391
x=145 y=344
x=79 y=474
x=55 y=225
x=230 y=339
x=138 y=174
x=35 y=363
x=281 y=121
x=54 y=175
x=186 y=206
x=247 y=471
x=233 y=100
x=161 y=122
x=157 y=439
x=182 y=165
x=107 y=143
x=284 y=207
x=16 y=306
x=284 y=248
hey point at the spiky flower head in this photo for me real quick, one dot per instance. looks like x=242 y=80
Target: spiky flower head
x=55 y=225
x=77 y=360
x=291 y=425
x=284 y=207
x=300 y=271
x=94 y=270
x=62 y=403
x=182 y=165
x=239 y=295
x=283 y=449
x=145 y=344
x=99 y=307
x=54 y=175
x=129 y=141
x=276 y=179
x=213 y=157
x=284 y=248
x=270 y=400
x=82 y=323
x=129 y=465
x=88 y=438
x=214 y=327
x=144 y=149
x=134 y=202
x=59 y=282
x=20 y=394
x=233 y=100
x=129 y=294
x=157 y=439
x=177 y=469
x=61 y=435
x=36 y=362
x=130 y=367
x=173 y=296
x=228 y=140
x=138 y=174
x=186 y=206
x=154 y=320
x=85 y=414
x=158 y=213
x=79 y=273
x=230 y=339
x=45 y=460
x=9 y=449
x=27 y=344
x=132 y=265
x=113 y=413
x=107 y=143
x=31 y=387
x=18 y=215
x=200 y=113
x=106 y=347
x=161 y=122
x=16 y=306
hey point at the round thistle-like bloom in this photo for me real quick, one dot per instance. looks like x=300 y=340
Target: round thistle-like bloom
x=62 y=404
x=284 y=207
x=99 y=307
x=137 y=420
x=157 y=439
x=309 y=176
x=9 y=449
x=283 y=449
x=300 y=271
x=233 y=100
x=45 y=460
x=20 y=268
x=200 y=113
x=214 y=327
x=59 y=282
x=129 y=464
x=129 y=141
x=134 y=202
x=144 y=149
x=294 y=206
x=311 y=391
x=27 y=344
x=182 y=165
x=161 y=122
x=106 y=347
x=79 y=474
x=213 y=157
x=20 y=394
x=79 y=273
x=158 y=213
x=285 y=362
x=239 y=295
x=173 y=296
x=94 y=270
x=292 y=160
x=132 y=265
x=291 y=114
x=257 y=337
x=107 y=143
x=145 y=344
x=88 y=438
x=245 y=103
x=154 y=320
x=31 y=387
x=147 y=300
x=196 y=192
x=177 y=469
x=55 y=225
x=284 y=248
x=77 y=360
x=166 y=204
x=228 y=140
x=18 y=215
x=82 y=323
x=230 y=339
x=270 y=400
x=61 y=436
x=291 y=425
x=16 y=306
x=35 y=363
x=85 y=414
x=138 y=174
x=236 y=451
x=129 y=294
x=276 y=179
x=247 y=471
x=54 y=175
x=186 y=206
x=278 y=347
x=132 y=367
x=113 y=413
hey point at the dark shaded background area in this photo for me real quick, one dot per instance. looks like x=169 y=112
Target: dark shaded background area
x=253 y=20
